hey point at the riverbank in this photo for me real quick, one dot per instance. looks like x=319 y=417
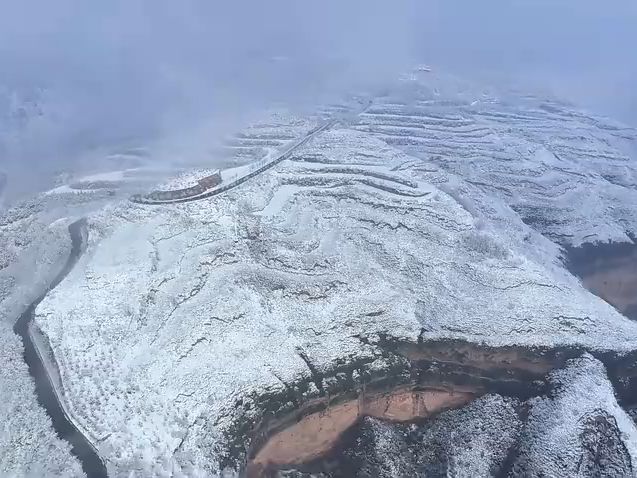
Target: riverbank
x=46 y=391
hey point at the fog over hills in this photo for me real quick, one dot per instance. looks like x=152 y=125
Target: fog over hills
x=80 y=76
x=333 y=240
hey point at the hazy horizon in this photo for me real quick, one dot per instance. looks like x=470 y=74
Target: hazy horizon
x=85 y=75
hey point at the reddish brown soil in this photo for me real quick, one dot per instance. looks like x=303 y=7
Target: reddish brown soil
x=316 y=434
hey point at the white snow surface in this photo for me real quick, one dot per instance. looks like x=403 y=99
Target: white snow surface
x=34 y=248
x=23 y=280
x=571 y=175
x=176 y=311
x=552 y=441
x=28 y=445
x=406 y=222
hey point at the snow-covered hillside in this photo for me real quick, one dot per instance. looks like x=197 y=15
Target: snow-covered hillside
x=415 y=245
x=570 y=175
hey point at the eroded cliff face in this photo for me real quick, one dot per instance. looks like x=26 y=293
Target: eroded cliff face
x=419 y=382
x=317 y=434
x=473 y=441
x=608 y=270
x=553 y=434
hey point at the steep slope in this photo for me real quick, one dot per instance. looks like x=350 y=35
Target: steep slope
x=404 y=266
x=576 y=430
x=35 y=247
x=567 y=173
x=179 y=322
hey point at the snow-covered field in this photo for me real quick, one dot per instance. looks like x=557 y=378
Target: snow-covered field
x=423 y=219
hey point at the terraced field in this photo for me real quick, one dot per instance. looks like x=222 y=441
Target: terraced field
x=566 y=173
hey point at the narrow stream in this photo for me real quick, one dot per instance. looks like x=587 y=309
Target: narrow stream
x=92 y=464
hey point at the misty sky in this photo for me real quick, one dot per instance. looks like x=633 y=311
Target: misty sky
x=107 y=71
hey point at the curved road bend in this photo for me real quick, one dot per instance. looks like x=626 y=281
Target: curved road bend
x=223 y=188
x=81 y=447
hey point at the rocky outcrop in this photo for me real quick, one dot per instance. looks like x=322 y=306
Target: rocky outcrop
x=473 y=441
x=317 y=434
x=578 y=429
x=422 y=380
x=556 y=434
